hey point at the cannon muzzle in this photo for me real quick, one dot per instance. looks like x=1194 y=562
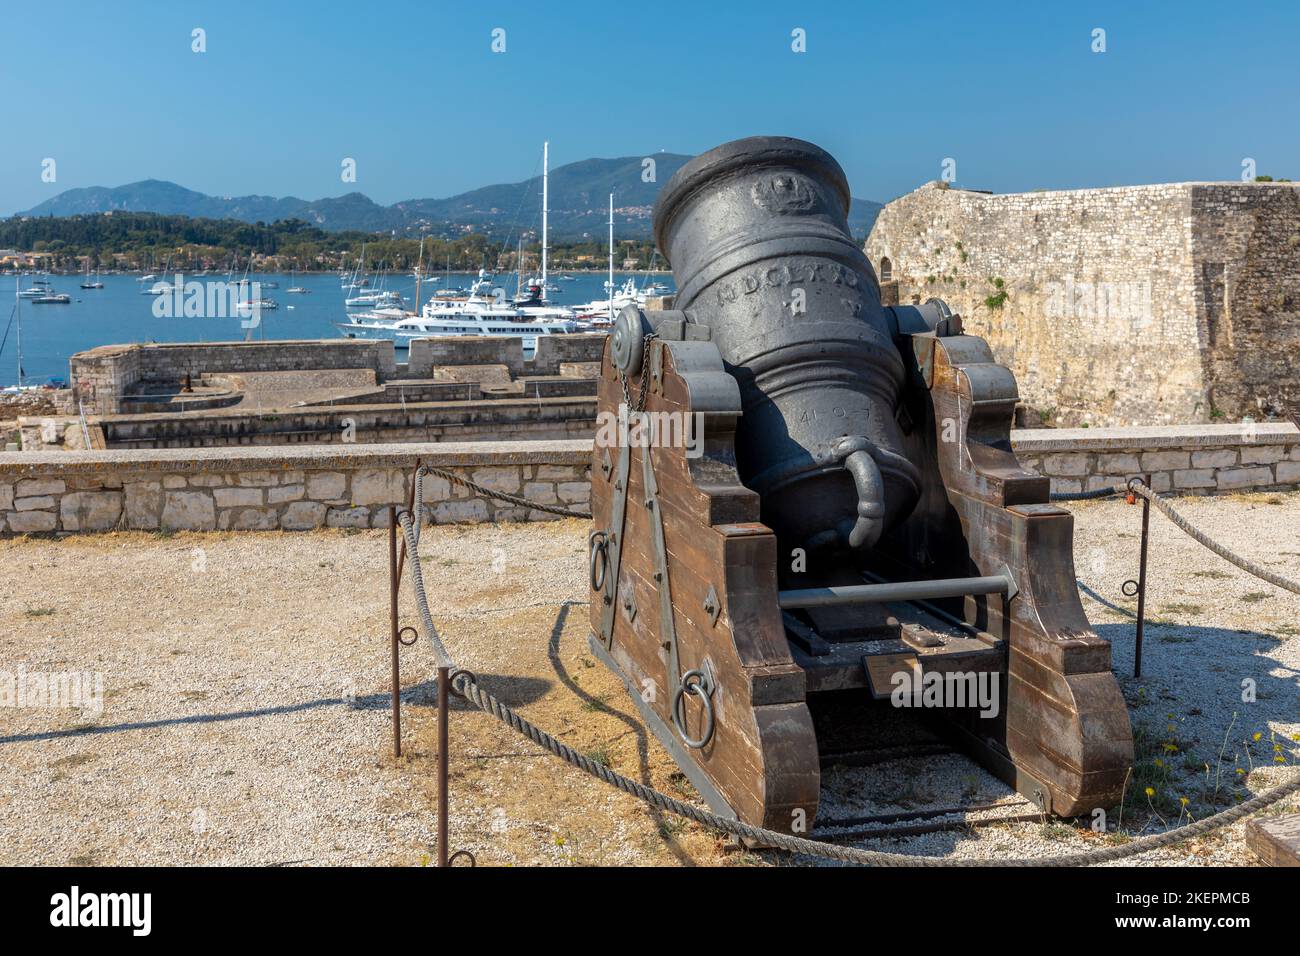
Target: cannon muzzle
x=757 y=234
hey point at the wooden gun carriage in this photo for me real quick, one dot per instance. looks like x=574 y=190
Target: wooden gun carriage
x=804 y=501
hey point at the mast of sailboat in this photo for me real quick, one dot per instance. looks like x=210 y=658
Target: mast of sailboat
x=546 y=158
x=419 y=275
x=611 y=257
x=18 y=315
x=519 y=267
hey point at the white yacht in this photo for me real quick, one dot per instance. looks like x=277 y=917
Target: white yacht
x=485 y=311
x=402 y=327
x=37 y=290
x=53 y=298
x=374 y=299
x=249 y=307
x=604 y=311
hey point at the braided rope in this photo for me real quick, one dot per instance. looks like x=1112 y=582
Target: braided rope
x=847 y=854
x=412 y=534
x=467 y=686
x=1139 y=487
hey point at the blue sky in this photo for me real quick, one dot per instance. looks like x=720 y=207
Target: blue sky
x=412 y=91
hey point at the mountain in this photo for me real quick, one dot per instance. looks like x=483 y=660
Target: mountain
x=579 y=194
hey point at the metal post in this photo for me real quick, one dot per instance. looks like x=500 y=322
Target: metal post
x=1142 y=582
x=393 y=630
x=444 y=692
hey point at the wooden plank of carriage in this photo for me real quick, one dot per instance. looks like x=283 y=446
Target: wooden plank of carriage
x=1275 y=840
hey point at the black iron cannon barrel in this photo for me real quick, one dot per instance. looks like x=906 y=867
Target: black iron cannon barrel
x=894 y=591
x=757 y=234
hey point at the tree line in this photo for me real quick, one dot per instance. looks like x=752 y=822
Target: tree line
x=142 y=240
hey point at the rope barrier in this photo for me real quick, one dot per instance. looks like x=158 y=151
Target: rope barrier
x=1139 y=487
x=489 y=493
x=467 y=685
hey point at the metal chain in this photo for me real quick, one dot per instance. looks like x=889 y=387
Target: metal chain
x=645 y=377
x=1085 y=495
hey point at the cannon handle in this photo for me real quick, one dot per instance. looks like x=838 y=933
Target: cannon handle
x=859 y=456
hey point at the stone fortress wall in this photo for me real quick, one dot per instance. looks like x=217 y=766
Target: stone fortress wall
x=1142 y=305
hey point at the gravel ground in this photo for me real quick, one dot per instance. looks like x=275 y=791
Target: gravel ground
x=245 y=687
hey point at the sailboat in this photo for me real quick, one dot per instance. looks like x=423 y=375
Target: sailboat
x=532 y=300
x=247 y=307
x=600 y=313
x=17 y=316
x=161 y=287
x=358 y=279
x=91 y=283
x=296 y=289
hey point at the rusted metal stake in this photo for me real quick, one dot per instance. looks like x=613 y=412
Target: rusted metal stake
x=410 y=506
x=444 y=692
x=393 y=629
x=1142 y=582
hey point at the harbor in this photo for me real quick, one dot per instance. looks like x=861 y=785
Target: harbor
x=118 y=313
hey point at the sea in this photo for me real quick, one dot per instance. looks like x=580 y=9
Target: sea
x=120 y=313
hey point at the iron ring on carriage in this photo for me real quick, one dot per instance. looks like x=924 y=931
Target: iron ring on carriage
x=693 y=681
x=401 y=638
x=451 y=860
x=1129 y=588
x=598 y=542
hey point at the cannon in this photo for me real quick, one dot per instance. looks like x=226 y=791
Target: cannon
x=807 y=512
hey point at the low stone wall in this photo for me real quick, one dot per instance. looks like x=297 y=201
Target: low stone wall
x=1189 y=459
x=269 y=488
x=303 y=487
x=499 y=420
x=102 y=376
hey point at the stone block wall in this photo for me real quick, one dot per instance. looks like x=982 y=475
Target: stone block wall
x=1141 y=305
x=555 y=351
x=424 y=355
x=499 y=420
x=266 y=489
x=1245 y=246
x=1204 y=459
x=305 y=487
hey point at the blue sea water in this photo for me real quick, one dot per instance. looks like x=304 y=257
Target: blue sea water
x=119 y=313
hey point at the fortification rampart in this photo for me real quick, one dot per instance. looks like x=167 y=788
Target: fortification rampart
x=1136 y=305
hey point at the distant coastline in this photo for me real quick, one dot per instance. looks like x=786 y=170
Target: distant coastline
x=149 y=242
